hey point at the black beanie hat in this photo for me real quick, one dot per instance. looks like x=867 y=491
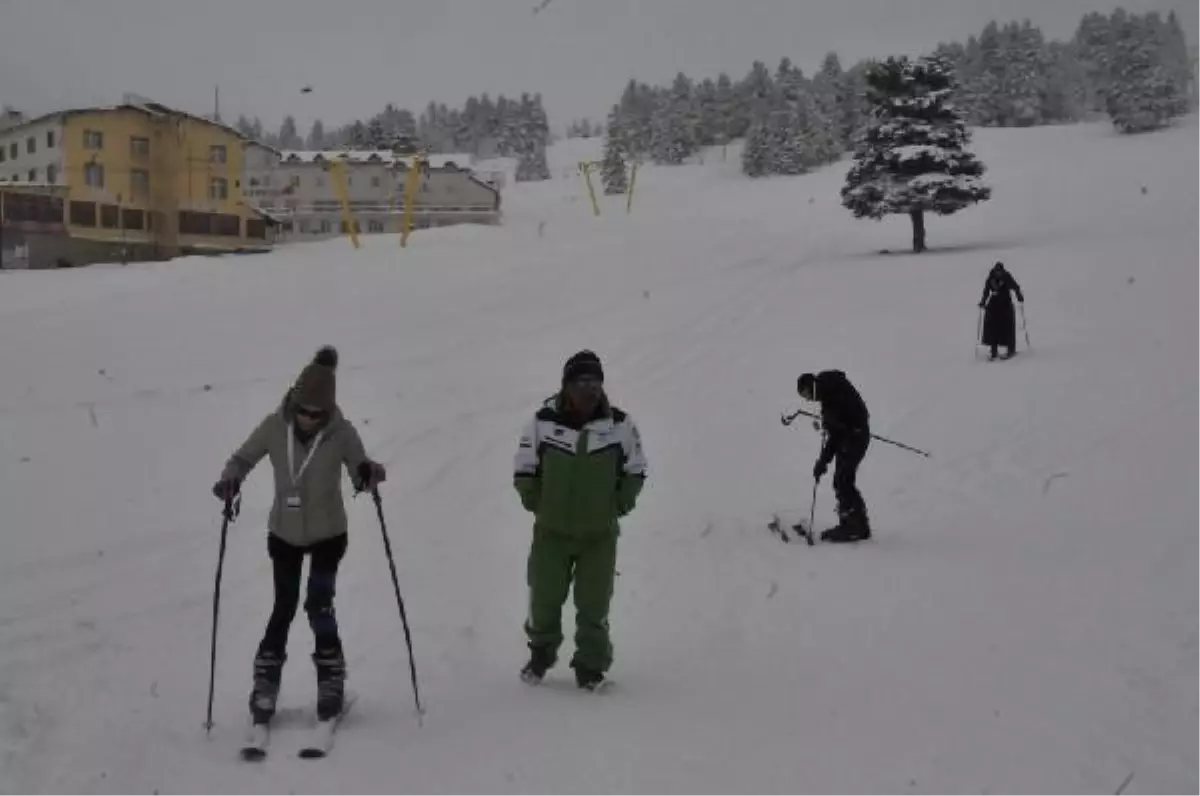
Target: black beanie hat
x=584 y=363
x=806 y=382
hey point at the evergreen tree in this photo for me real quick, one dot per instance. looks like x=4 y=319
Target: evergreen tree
x=1092 y=50
x=756 y=152
x=1143 y=93
x=674 y=123
x=377 y=137
x=316 y=136
x=912 y=157
x=612 y=167
x=289 y=136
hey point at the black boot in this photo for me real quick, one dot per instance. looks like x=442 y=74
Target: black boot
x=540 y=661
x=331 y=682
x=268 y=672
x=588 y=679
x=852 y=528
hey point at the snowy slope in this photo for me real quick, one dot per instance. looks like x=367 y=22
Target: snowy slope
x=1025 y=620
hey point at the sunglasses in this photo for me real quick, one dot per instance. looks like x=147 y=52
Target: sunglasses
x=313 y=414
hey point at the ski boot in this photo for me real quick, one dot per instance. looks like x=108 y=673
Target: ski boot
x=852 y=527
x=331 y=683
x=268 y=671
x=540 y=661
x=589 y=679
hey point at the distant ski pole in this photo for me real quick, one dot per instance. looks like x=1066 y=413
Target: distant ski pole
x=978 y=334
x=387 y=547
x=787 y=420
x=228 y=514
x=1024 y=327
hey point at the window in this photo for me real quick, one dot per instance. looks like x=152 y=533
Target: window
x=110 y=216
x=30 y=145
x=195 y=223
x=139 y=147
x=217 y=154
x=132 y=218
x=226 y=224
x=12 y=150
x=3 y=153
x=50 y=139
x=93 y=175
x=93 y=139
x=139 y=183
x=376 y=182
x=319 y=181
x=256 y=228
x=326 y=226
x=218 y=188
x=52 y=173
x=31 y=207
x=83 y=213
x=33 y=175
x=375 y=226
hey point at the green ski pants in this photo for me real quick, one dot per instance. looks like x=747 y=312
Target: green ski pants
x=554 y=561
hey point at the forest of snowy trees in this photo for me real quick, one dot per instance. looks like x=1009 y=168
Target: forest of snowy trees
x=483 y=127
x=1135 y=68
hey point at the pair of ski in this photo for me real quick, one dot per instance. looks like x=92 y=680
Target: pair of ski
x=318 y=745
x=776 y=527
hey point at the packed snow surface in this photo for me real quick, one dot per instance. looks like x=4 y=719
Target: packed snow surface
x=1025 y=619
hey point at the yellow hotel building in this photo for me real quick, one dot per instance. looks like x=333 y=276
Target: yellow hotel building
x=133 y=181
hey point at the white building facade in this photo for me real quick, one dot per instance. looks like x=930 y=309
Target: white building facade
x=32 y=153
x=300 y=190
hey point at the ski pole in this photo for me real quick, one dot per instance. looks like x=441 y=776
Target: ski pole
x=232 y=505
x=788 y=419
x=978 y=335
x=1024 y=327
x=387 y=547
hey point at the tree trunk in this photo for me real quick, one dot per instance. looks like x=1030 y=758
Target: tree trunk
x=918 y=225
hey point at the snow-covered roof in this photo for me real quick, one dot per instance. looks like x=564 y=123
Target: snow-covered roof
x=385 y=156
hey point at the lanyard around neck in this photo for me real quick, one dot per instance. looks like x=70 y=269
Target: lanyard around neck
x=291 y=455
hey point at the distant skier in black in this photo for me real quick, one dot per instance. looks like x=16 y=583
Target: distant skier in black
x=999 y=319
x=846 y=424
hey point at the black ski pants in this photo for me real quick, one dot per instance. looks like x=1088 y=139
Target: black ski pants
x=847 y=457
x=287 y=562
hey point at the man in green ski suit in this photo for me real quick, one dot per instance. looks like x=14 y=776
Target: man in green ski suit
x=579 y=468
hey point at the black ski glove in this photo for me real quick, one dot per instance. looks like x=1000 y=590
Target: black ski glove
x=820 y=468
x=368 y=475
x=226 y=489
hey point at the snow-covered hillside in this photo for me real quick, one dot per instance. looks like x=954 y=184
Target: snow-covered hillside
x=1024 y=621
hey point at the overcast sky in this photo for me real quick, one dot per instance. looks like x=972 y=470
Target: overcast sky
x=360 y=54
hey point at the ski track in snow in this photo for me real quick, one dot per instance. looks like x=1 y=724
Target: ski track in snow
x=1024 y=621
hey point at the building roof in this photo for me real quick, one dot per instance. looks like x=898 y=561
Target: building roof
x=385 y=156
x=140 y=105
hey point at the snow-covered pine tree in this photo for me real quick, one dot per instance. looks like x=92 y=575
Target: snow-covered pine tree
x=1142 y=96
x=674 y=123
x=788 y=120
x=987 y=99
x=612 y=167
x=1024 y=84
x=289 y=138
x=532 y=132
x=912 y=156
x=708 y=113
x=316 y=136
x=1093 y=50
x=753 y=95
x=726 y=109
x=1066 y=98
x=756 y=153
x=377 y=137
x=1178 y=58
x=830 y=96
